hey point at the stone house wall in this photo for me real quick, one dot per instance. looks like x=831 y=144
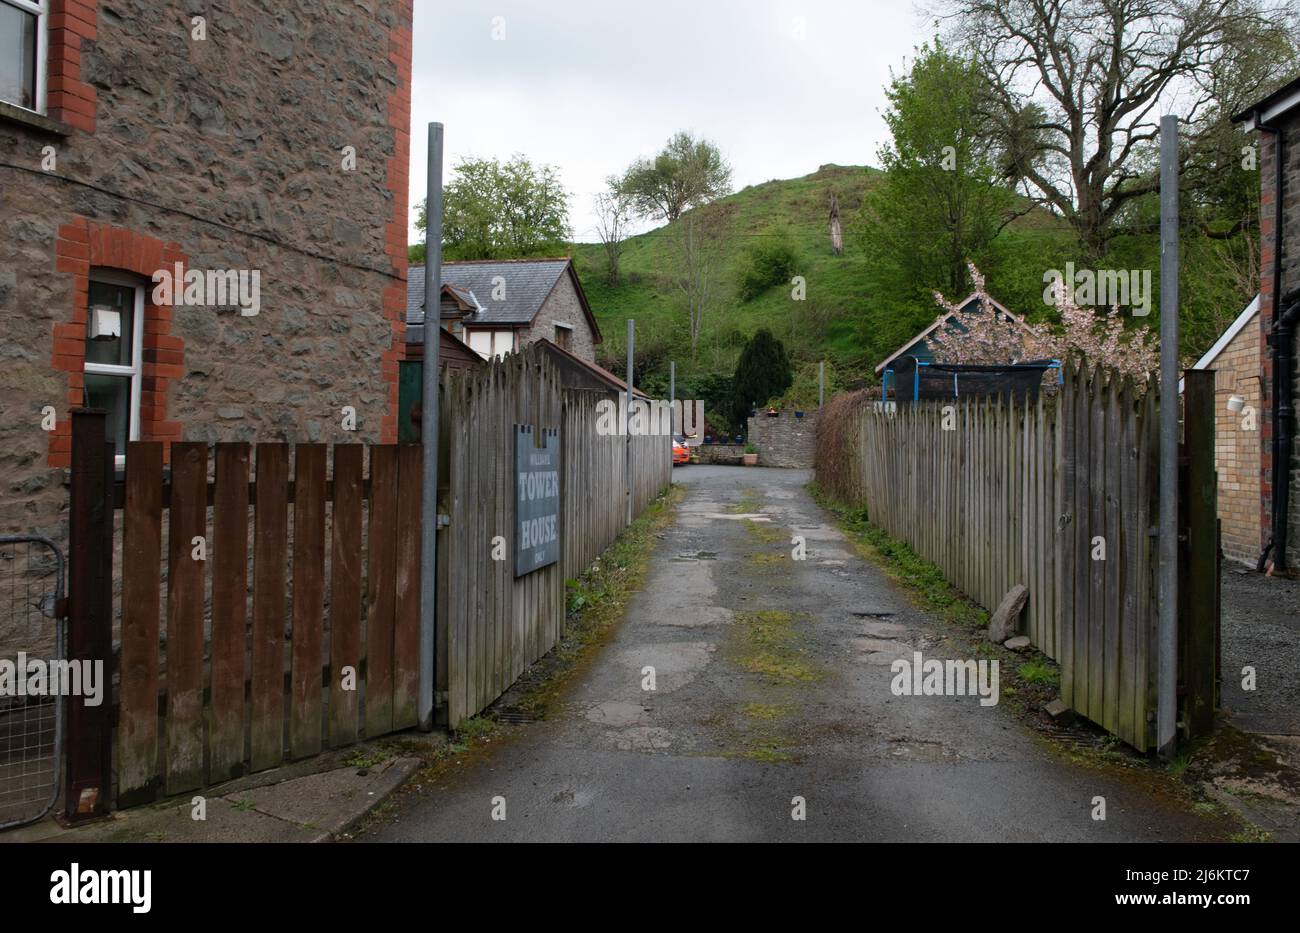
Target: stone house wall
x=221 y=153
x=562 y=305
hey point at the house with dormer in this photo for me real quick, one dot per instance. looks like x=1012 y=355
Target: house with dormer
x=500 y=306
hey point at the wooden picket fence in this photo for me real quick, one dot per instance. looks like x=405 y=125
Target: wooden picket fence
x=997 y=493
x=492 y=625
x=331 y=560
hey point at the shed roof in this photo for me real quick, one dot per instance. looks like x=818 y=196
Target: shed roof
x=943 y=319
x=1283 y=100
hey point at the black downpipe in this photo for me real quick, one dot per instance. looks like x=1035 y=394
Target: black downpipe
x=1283 y=340
x=1279 y=139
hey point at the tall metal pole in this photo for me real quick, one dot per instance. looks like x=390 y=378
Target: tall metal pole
x=429 y=426
x=631 y=338
x=1167 y=699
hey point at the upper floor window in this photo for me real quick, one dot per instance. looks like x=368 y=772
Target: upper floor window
x=22 y=52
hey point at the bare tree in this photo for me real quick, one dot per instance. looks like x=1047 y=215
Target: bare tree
x=1086 y=81
x=697 y=244
x=613 y=216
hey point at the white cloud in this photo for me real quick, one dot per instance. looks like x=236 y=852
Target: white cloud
x=590 y=85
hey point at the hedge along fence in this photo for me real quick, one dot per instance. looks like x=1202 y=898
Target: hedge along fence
x=997 y=494
x=492 y=624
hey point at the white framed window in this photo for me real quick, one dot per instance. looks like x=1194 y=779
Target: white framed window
x=490 y=343
x=113 y=363
x=24 y=50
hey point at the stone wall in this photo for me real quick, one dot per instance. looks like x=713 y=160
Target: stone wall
x=719 y=453
x=1236 y=444
x=221 y=153
x=563 y=305
x=784 y=441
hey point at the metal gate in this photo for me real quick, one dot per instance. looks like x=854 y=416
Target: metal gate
x=31 y=629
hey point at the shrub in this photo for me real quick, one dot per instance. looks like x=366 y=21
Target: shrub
x=766 y=265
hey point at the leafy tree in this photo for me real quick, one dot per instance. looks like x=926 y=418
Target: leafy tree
x=501 y=210
x=687 y=172
x=762 y=373
x=943 y=197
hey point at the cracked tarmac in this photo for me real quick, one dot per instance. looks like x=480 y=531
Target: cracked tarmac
x=772 y=681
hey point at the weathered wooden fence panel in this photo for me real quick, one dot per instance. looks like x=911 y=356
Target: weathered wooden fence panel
x=270 y=683
x=1056 y=494
x=495 y=624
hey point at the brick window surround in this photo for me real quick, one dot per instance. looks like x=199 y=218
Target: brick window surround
x=81 y=246
x=67 y=98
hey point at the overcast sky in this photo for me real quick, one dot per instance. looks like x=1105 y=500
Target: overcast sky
x=782 y=86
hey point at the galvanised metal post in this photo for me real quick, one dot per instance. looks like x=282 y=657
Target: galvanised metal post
x=631 y=337
x=1167 y=699
x=429 y=426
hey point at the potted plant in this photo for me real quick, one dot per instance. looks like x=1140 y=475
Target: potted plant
x=751 y=455
x=773 y=413
x=798 y=413
x=740 y=438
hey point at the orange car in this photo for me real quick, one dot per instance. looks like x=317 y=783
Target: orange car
x=681 y=453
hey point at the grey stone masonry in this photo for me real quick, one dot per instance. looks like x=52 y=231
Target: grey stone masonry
x=784 y=440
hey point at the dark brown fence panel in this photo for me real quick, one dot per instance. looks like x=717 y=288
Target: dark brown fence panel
x=308 y=599
x=269 y=564
x=406 y=642
x=137 y=736
x=227 y=714
x=185 y=590
x=381 y=590
x=345 y=593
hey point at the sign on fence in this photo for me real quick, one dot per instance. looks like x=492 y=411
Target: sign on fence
x=537 y=494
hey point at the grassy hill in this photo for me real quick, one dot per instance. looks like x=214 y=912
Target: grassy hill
x=839 y=321
x=827 y=324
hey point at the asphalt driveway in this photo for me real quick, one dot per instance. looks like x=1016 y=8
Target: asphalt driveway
x=772 y=697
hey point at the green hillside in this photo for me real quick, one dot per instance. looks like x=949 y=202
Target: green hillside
x=838 y=321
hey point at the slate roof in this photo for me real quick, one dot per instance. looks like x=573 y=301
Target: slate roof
x=528 y=284
x=415 y=294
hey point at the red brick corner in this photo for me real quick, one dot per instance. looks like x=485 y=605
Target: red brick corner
x=67 y=97
x=397 y=181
